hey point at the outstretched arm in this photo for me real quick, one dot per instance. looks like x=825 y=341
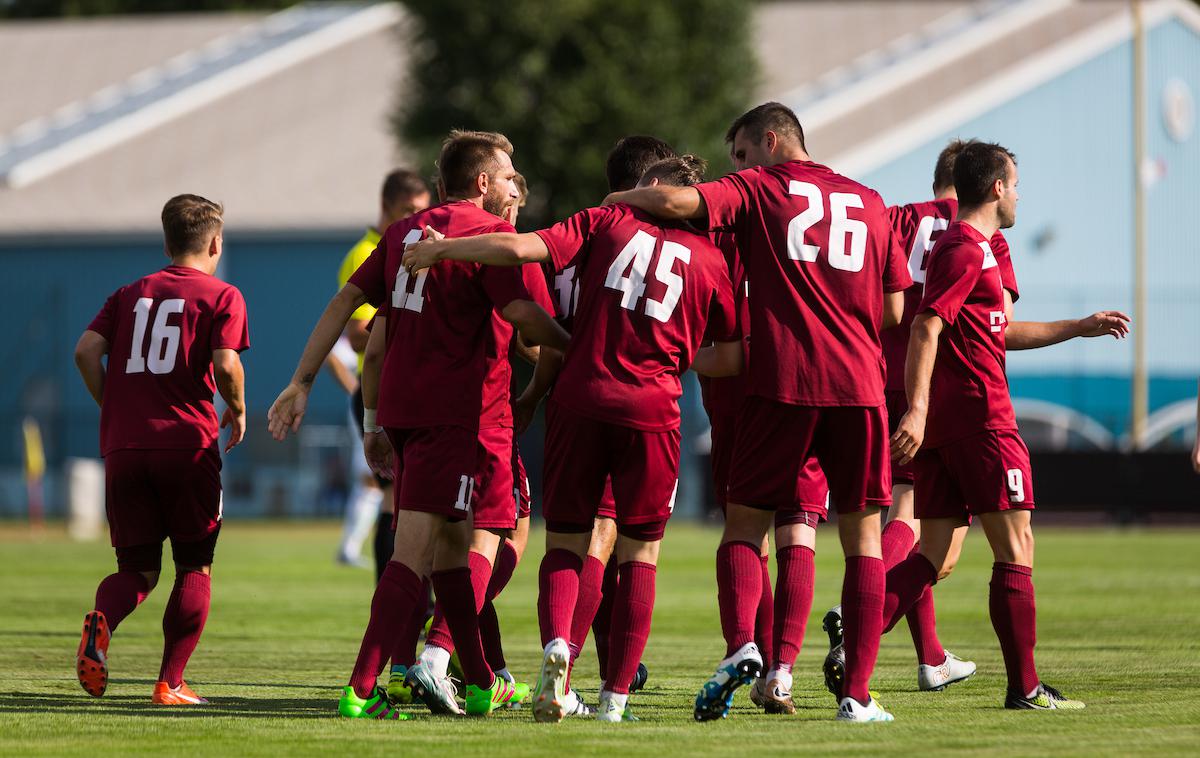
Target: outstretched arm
x=499 y=249
x=918 y=370
x=1029 y=335
x=664 y=201
x=89 y=358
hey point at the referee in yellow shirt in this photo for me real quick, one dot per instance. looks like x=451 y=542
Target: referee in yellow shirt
x=403 y=194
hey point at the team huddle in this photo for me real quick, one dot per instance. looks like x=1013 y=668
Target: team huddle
x=851 y=356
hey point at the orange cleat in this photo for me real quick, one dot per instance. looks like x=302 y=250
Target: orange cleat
x=91 y=662
x=165 y=694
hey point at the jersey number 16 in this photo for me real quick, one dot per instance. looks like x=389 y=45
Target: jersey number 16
x=164 y=337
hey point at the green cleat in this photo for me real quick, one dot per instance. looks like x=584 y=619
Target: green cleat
x=399 y=693
x=481 y=702
x=352 y=706
x=1045 y=698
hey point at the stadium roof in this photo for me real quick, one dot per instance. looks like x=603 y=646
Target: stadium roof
x=284 y=117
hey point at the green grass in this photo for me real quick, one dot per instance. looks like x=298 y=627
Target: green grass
x=1118 y=614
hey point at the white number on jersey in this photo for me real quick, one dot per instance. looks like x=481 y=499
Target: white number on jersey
x=847 y=236
x=918 y=257
x=627 y=274
x=566 y=288
x=466 y=489
x=1016 y=486
x=164 y=337
x=401 y=296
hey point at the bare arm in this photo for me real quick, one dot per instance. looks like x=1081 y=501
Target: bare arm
x=893 y=308
x=535 y=325
x=918 y=370
x=1029 y=335
x=287 y=411
x=231 y=383
x=719 y=359
x=356 y=332
x=545 y=372
x=525 y=351
x=376 y=446
x=500 y=249
x=89 y=359
x=663 y=201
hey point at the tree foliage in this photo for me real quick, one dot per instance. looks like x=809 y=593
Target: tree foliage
x=564 y=80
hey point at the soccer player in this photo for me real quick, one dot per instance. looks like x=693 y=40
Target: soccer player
x=403 y=194
x=960 y=432
x=649 y=293
x=423 y=389
x=818 y=249
x=172 y=339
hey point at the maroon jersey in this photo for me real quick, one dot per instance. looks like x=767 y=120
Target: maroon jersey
x=722 y=396
x=819 y=250
x=497 y=383
x=564 y=291
x=439 y=322
x=969 y=390
x=161 y=332
x=917 y=227
x=650 y=293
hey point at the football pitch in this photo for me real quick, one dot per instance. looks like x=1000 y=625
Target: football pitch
x=1118 y=614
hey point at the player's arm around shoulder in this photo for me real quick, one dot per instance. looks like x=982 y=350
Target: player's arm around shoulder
x=89 y=359
x=496 y=249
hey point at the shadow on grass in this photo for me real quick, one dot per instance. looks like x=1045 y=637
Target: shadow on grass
x=26 y=702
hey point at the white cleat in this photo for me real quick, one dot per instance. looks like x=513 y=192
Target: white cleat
x=716 y=696
x=776 y=692
x=573 y=706
x=549 y=699
x=437 y=692
x=614 y=708
x=937 y=678
x=851 y=710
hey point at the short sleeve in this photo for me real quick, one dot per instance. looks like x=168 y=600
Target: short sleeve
x=904 y=221
x=370 y=276
x=896 y=277
x=568 y=237
x=503 y=284
x=728 y=198
x=230 y=329
x=722 y=312
x=105 y=322
x=1008 y=277
x=952 y=274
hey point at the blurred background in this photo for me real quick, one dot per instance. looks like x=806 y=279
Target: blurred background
x=291 y=115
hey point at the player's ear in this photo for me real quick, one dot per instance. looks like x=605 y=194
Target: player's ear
x=771 y=139
x=482 y=181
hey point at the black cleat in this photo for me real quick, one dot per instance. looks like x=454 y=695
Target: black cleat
x=1045 y=698
x=834 y=666
x=639 y=678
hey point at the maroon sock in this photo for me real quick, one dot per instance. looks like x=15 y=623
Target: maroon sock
x=396 y=595
x=489 y=622
x=739 y=588
x=602 y=623
x=439 y=631
x=591 y=580
x=922 y=625
x=119 y=594
x=764 y=620
x=794 y=596
x=862 y=621
x=183 y=621
x=455 y=593
x=897 y=542
x=404 y=653
x=632 y=612
x=1014 y=617
x=906 y=582
x=558 y=593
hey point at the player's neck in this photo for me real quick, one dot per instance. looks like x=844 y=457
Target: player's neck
x=202 y=264
x=982 y=218
x=946 y=193
x=794 y=154
x=477 y=201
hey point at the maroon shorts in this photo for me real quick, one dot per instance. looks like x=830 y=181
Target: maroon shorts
x=495 y=506
x=777 y=443
x=897 y=406
x=608 y=504
x=151 y=495
x=521 y=490
x=723 y=432
x=984 y=473
x=582 y=454
x=435 y=470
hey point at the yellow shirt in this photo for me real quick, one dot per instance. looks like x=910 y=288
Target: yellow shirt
x=355 y=258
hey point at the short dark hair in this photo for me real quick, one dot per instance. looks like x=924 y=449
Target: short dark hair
x=683 y=171
x=978 y=166
x=467 y=154
x=402 y=184
x=188 y=222
x=943 y=171
x=630 y=157
x=768 y=117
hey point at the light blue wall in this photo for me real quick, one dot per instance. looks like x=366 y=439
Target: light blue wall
x=1072 y=136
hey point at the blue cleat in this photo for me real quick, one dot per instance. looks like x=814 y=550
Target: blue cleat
x=716 y=696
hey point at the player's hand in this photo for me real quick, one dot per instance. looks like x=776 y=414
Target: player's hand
x=910 y=433
x=523 y=410
x=237 y=427
x=378 y=450
x=287 y=411
x=422 y=254
x=1113 y=323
